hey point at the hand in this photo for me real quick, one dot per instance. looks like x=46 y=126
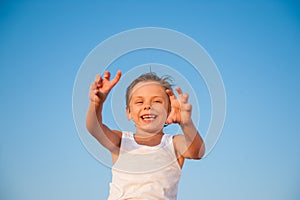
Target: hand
x=181 y=110
x=101 y=87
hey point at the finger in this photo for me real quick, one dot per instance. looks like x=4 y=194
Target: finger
x=188 y=107
x=96 y=91
x=93 y=85
x=106 y=75
x=99 y=82
x=180 y=95
x=117 y=78
x=97 y=77
x=169 y=119
x=179 y=91
x=94 y=88
x=171 y=94
x=185 y=98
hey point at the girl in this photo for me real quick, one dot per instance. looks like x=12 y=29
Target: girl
x=146 y=164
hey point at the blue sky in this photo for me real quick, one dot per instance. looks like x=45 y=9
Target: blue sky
x=254 y=44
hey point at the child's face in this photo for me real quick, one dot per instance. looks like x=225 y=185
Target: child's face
x=148 y=106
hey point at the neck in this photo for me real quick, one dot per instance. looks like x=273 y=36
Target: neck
x=149 y=139
x=140 y=133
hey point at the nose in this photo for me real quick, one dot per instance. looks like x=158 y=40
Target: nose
x=147 y=107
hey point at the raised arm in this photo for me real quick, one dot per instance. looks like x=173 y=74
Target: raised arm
x=189 y=145
x=98 y=93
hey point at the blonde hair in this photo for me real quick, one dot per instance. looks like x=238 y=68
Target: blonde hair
x=165 y=81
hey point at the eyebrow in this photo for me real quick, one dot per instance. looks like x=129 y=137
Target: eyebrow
x=143 y=97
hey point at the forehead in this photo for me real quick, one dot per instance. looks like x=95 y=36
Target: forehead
x=148 y=87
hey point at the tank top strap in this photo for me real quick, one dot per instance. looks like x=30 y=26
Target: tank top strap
x=127 y=142
x=127 y=134
x=168 y=138
x=130 y=136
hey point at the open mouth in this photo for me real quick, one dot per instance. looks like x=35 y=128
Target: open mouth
x=148 y=117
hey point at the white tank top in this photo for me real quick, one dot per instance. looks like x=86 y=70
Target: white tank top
x=145 y=172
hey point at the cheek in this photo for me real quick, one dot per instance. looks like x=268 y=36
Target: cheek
x=162 y=109
x=167 y=106
x=134 y=110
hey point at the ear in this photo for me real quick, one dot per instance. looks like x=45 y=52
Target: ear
x=128 y=114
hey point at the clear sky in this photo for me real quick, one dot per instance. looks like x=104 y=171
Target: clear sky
x=255 y=44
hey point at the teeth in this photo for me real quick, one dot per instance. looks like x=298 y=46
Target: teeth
x=148 y=116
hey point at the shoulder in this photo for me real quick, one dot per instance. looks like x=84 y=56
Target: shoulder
x=177 y=139
x=174 y=138
x=177 y=143
x=118 y=133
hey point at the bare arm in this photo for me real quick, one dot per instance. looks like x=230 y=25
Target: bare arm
x=98 y=93
x=190 y=144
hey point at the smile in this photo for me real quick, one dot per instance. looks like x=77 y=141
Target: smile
x=148 y=117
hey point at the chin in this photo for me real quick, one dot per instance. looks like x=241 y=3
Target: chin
x=151 y=128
